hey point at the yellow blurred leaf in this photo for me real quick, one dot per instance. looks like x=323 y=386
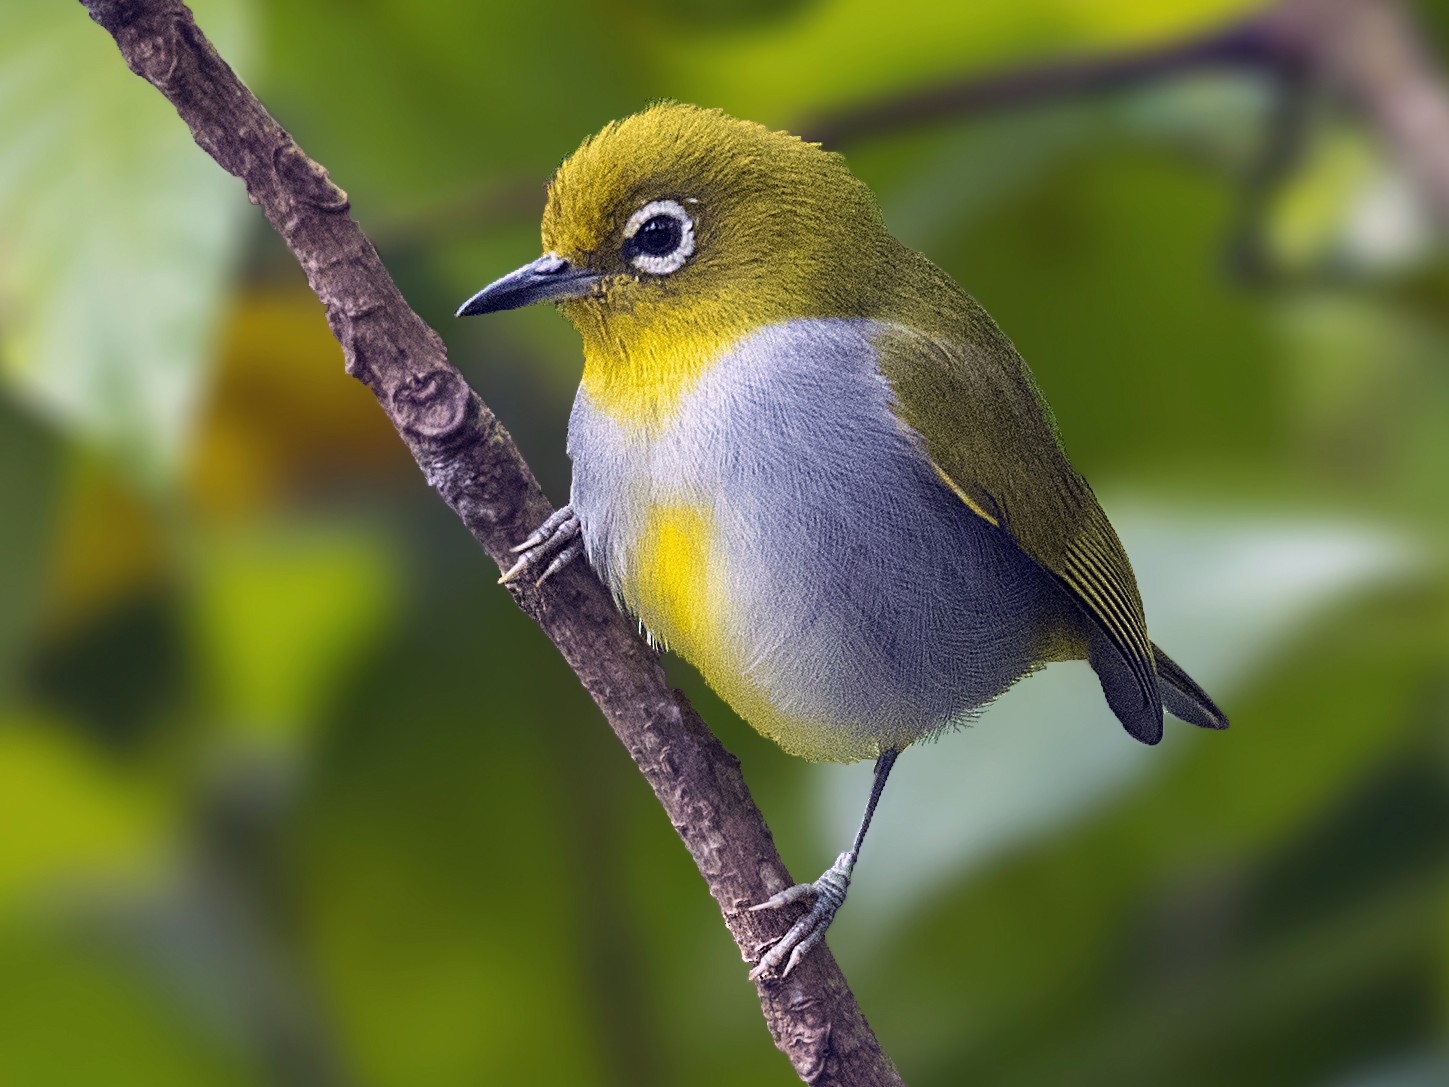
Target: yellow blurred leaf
x=284 y=417
x=108 y=544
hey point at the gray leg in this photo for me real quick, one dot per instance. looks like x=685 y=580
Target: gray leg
x=828 y=892
x=557 y=538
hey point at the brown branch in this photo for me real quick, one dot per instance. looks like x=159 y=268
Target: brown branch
x=1366 y=50
x=1284 y=145
x=1371 y=52
x=473 y=464
x=1034 y=83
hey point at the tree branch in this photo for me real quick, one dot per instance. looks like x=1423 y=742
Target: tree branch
x=1366 y=50
x=1034 y=83
x=1371 y=52
x=473 y=464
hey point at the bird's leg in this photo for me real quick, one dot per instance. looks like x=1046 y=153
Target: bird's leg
x=557 y=538
x=828 y=892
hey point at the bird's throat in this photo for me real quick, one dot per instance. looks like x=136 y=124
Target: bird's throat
x=638 y=365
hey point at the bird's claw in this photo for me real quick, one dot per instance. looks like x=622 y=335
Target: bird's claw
x=829 y=893
x=557 y=538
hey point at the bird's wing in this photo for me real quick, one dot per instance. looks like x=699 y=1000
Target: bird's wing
x=992 y=438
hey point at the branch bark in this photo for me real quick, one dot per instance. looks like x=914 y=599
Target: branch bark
x=471 y=461
x=1372 y=53
x=1019 y=87
x=1369 y=51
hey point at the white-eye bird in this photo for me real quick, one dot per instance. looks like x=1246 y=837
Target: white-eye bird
x=811 y=464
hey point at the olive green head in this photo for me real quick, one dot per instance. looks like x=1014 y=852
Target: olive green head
x=682 y=206
x=677 y=204
x=672 y=233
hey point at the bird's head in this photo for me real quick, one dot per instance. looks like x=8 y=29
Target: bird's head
x=682 y=229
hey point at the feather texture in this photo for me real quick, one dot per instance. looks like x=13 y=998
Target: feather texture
x=853 y=603
x=812 y=464
x=984 y=427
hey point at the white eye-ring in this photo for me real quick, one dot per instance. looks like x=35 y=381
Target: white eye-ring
x=659 y=237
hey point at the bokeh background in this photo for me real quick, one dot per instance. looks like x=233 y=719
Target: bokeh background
x=291 y=794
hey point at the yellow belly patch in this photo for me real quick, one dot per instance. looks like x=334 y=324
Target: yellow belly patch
x=675 y=586
x=670 y=586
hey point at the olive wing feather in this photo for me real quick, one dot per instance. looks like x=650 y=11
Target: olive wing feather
x=993 y=440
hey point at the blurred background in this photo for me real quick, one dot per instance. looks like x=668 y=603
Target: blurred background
x=291 y=794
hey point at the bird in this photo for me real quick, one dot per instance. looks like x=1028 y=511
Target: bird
x=811 y=464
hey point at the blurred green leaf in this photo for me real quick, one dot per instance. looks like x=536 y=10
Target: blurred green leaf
x=29 y=479
x=1348 y=210
x=73 y=1012
x=116 y=237
x=73 y=820
x=119 y=675
x=280 y=619
x=1416 y=1069
x=413 y=101
x=444 y=897
x=821 y=57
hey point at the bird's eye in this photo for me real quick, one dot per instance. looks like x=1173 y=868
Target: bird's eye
x=659 y=237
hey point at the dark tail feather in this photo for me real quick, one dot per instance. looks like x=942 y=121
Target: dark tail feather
x=1139 y=712
x=1184 y=698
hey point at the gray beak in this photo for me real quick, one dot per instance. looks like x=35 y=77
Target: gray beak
x=548 y=279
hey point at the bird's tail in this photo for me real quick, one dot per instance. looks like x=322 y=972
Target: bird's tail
x=1183 y=698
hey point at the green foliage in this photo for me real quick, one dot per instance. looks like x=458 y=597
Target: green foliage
x=292 y=794
x=28 y=479
x=77 y=1014
x=328 y=588
x=81 y=814
x=118 y=239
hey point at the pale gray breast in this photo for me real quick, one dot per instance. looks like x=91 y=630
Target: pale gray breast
x=864 y=598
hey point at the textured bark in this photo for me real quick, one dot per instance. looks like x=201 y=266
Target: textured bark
x=473 y=464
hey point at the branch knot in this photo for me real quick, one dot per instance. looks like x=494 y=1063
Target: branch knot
x=305 y=180
x=434 y=407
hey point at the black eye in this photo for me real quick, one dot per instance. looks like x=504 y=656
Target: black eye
x=658 y=237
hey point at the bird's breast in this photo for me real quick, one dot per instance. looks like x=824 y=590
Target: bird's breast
x=785 y=533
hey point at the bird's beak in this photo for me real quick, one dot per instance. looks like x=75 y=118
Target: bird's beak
x=548 y=279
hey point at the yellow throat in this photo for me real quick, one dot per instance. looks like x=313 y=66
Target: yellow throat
x=639 y=362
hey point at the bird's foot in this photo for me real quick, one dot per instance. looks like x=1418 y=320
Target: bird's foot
x=829 y=893
x=557 y=538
